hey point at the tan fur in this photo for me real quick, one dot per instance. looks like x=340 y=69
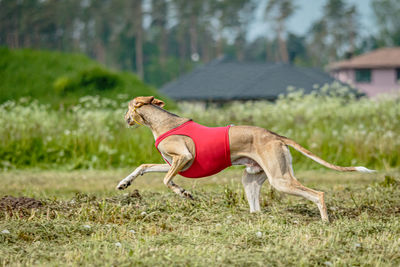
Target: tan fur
x=265 y=154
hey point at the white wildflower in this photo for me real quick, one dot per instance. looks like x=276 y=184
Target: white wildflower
x=5 y=231
x=94 y=158
x=118 y=244
x=259 y=234
x=314 y=145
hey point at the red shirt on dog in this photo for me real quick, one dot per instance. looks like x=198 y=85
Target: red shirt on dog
x=212 y=148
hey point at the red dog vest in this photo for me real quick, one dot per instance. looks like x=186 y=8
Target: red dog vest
x=212 y=148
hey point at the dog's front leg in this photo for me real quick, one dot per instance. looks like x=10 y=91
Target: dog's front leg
x=182 y=191
x=178 y=163
x=142 y=169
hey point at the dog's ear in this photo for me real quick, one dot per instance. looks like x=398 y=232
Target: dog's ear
x=142 y=100
x=158 y=102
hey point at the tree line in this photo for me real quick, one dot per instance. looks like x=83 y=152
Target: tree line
x=161 y=39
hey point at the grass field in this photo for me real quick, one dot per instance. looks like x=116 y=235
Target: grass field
x=93 y=133
x=84 y=221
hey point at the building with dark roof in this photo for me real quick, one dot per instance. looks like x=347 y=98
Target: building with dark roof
x=224 y=80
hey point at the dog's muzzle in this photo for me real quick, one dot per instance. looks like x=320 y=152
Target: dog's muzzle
x=128 y=120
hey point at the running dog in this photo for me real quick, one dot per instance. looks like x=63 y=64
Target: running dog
x=194 y=151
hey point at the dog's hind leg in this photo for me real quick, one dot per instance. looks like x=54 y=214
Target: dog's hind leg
x=142 y=169
x=276 y=162
x=252 y=183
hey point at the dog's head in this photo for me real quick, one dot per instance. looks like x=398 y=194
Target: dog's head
x=132 y=116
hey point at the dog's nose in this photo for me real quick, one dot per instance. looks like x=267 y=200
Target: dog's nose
x=128 y=120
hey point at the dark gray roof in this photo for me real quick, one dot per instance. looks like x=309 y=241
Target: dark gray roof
x=223 y=80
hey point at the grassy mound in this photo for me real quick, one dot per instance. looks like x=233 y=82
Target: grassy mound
x=61 y=78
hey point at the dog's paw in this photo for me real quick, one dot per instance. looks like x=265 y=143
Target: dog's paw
x=187 y=194
x=123 y=185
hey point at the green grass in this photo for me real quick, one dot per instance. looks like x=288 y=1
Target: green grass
x=93 y=134
x=86 y=222
x=61 y=78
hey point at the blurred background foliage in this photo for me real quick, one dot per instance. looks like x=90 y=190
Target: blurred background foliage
x=92 y=134
x=161 y=39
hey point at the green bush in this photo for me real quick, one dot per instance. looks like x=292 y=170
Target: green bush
x=99 y=79
x=93 y=80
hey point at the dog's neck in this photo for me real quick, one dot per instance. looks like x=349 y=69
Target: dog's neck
x=159 y=120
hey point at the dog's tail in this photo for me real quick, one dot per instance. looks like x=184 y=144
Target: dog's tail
x=317 y=159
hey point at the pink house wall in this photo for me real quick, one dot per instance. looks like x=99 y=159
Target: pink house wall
x=382 y=81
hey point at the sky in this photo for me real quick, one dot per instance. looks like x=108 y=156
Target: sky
x=309 y=11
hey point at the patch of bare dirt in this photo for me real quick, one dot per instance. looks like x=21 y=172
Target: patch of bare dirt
x=133 y=197
x=18 y=203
